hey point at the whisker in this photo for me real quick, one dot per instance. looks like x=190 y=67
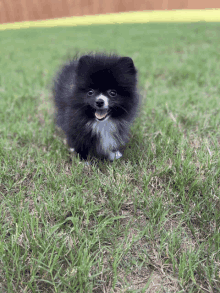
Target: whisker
x=119 y=106
x=80 y=109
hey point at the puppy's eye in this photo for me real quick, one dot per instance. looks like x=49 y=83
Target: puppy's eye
x=112 y=93
x=90 y=93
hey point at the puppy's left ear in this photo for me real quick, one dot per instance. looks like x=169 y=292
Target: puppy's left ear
x=127 y=64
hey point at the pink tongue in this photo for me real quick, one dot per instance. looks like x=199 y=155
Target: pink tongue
x=100 y=115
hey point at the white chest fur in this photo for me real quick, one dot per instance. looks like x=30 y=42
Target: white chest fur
x=106 y=131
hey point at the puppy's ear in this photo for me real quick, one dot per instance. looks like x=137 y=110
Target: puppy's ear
x=86 y=59
x=127 y=64
x=84 y=63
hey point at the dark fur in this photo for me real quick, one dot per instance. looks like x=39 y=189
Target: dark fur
x=76 y=110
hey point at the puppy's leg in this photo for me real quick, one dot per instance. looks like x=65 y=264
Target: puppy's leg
x=114 y=155
x=70 y=142
x=118 y=155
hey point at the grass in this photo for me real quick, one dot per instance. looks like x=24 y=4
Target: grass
x=149 y=222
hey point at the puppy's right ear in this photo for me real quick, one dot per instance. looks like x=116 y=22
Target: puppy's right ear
x=85 y=60
x=83 y=64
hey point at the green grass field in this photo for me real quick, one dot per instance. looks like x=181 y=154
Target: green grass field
x=149 y=222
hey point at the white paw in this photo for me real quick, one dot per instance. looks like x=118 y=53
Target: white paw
x=72 y=150
x=118 y=155
x=114 y=156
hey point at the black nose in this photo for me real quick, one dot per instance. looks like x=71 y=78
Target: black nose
x=99 y=103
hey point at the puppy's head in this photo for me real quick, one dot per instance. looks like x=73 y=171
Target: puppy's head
x=108 y=84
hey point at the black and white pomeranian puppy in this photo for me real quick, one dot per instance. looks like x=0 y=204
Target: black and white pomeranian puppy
x=97 y=100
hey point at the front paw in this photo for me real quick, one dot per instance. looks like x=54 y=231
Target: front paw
x=114 y=156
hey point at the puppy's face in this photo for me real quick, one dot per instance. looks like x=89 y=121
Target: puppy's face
x=101 y=102
x=107 y=84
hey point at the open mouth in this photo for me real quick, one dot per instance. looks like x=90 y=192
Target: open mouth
x=101 y=114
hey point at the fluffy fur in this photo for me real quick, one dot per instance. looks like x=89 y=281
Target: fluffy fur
x=97 y=100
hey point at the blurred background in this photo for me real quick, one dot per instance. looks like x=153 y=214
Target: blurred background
x=25 y=10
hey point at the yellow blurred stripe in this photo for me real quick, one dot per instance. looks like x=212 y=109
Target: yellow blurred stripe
x=208 y=15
